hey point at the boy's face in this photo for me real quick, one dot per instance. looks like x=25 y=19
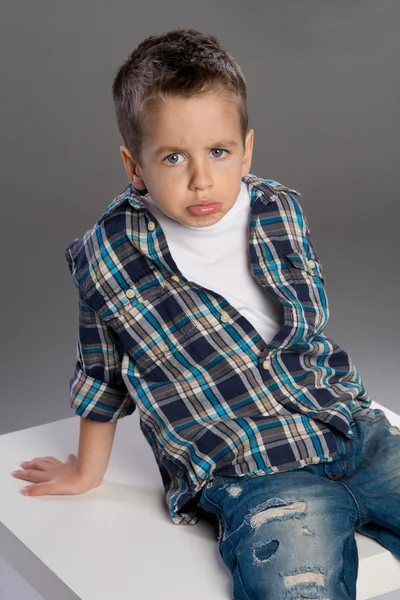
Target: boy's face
x=198 y=162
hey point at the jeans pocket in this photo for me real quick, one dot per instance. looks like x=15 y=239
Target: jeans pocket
x=211 y=499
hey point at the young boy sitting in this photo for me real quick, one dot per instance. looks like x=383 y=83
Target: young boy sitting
x=202 y=303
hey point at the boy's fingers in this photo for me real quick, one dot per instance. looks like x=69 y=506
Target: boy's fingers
x=38 y=464
x=32 y=475
x=51 y=459
x=40 y=489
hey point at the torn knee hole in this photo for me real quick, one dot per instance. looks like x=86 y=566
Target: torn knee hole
x=276 y=510
x=263 y=551
x=306 y=583
x=307 y=577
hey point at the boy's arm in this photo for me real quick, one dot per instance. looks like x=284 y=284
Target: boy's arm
x=100 y=398
x=98 y=393
x=95 y=444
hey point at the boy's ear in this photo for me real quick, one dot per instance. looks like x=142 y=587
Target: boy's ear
x=248 y=152
x=131 y=168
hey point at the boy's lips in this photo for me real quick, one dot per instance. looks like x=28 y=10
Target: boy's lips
x=203 y=202
x=205 y=207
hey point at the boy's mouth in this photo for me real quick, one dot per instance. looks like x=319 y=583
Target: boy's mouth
x=204 y=209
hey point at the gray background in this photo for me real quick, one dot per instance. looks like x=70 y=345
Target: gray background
x=324 y=96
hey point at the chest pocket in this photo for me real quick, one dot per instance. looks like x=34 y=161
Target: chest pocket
x=149 y=321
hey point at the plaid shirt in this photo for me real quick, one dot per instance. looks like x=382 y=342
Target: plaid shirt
x=213 y=397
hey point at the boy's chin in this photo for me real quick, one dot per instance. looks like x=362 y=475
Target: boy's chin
x=203 y=221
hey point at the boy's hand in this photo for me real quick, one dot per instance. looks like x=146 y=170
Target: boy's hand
x=51 y=476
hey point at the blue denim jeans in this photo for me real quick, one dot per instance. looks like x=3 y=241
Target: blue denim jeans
x=290 y=535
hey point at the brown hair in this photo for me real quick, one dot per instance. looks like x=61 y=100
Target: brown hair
x=182 y=62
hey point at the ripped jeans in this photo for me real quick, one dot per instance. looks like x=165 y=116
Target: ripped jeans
x=290 y=535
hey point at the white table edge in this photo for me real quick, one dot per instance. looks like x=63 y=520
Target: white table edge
x=42 y=579
x=35 y=572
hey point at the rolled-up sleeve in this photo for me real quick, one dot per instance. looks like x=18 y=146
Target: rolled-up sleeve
x=97 y=390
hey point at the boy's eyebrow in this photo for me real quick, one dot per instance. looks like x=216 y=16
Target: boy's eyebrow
x=220 y=144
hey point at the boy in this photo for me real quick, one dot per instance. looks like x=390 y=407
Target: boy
x=202 y=303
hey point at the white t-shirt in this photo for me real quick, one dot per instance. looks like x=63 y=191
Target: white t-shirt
x=217 y=258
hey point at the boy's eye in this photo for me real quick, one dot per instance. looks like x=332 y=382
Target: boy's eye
x=178 y=153
x=219 y=150
x=173 y=156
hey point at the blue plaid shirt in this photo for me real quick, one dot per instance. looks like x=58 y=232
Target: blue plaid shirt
x=213 y=397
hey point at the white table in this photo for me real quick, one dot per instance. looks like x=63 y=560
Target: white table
x=117 y=541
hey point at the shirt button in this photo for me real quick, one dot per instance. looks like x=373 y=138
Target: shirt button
x=175 y=278
x=311 y=263
x=130 y=293
x=225 y=317
x=266 y=364
x=151 y=226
